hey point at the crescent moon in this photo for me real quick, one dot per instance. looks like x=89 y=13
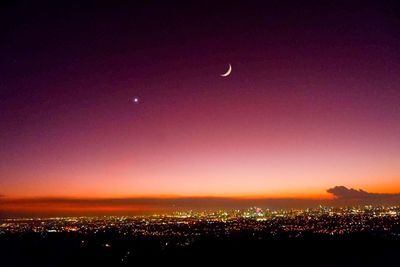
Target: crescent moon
x=228 y=71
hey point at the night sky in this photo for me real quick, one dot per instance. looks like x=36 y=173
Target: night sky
x=313 y=100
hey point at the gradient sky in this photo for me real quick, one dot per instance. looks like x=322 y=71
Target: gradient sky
x=313 y=100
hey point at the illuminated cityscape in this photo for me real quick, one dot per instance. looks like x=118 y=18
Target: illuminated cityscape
x=294 y=223
x=125 y=240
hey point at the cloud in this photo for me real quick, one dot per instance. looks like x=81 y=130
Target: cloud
x=346 y=195
x=342 y=192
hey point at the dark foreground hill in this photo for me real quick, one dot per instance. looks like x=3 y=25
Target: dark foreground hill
x=112 y=249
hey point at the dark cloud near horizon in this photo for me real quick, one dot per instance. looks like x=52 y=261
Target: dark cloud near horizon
x=351 y=196
x=342 y=192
